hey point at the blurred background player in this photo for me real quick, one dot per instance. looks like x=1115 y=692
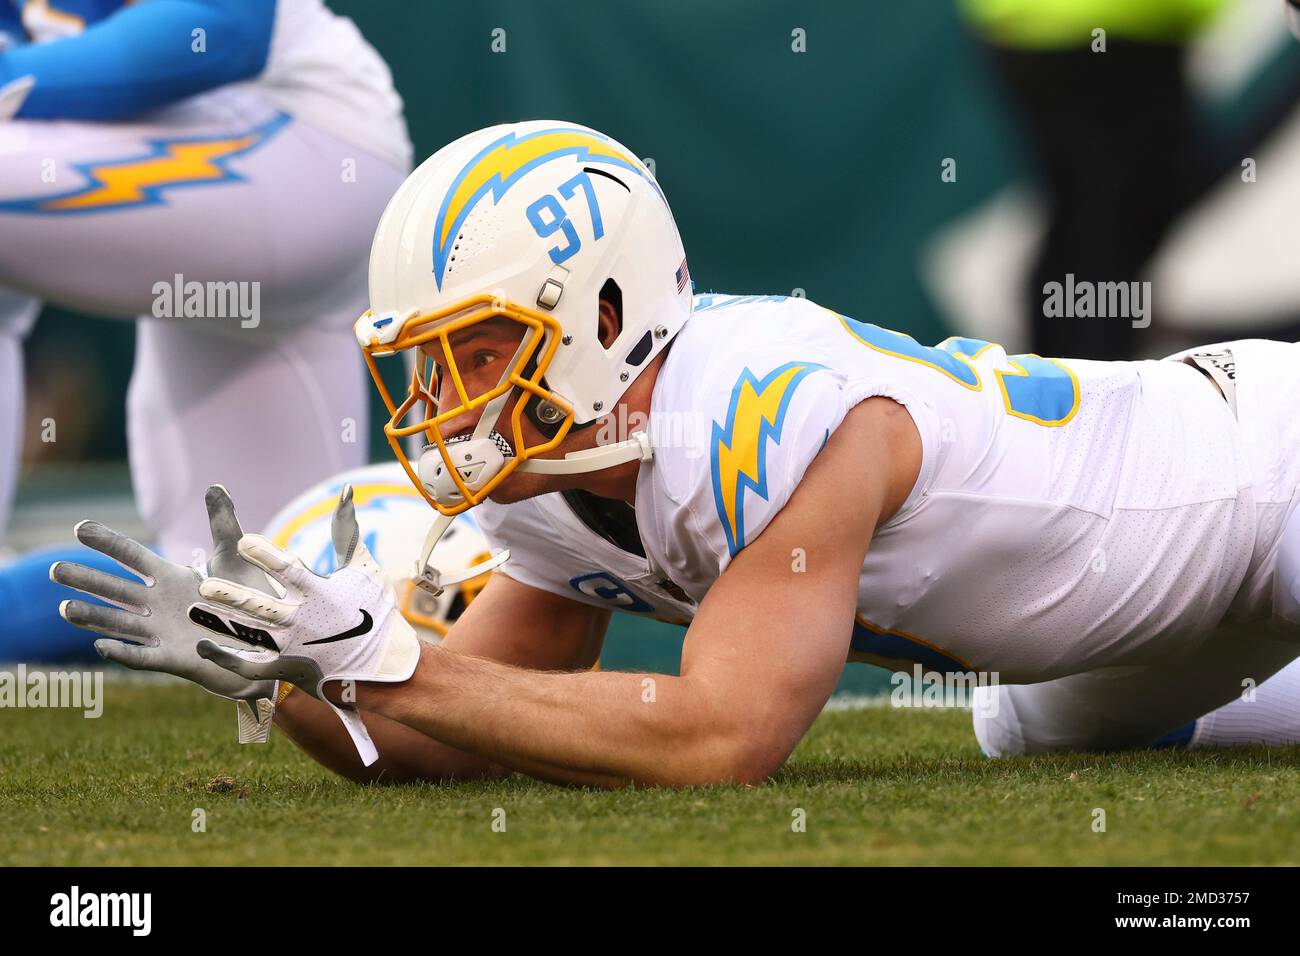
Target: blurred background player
x=1118 y=139
x=213 y=168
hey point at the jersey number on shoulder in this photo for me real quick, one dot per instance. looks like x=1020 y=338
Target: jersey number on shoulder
x=1036 y=389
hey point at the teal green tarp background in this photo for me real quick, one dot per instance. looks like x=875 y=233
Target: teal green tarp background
x=815 y=170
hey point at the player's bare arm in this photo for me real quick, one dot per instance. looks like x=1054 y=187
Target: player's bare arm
x=561 y=636
x=759 y=662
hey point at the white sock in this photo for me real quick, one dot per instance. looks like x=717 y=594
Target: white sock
x=1272 y=717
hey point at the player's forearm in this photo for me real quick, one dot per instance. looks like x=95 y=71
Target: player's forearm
x=596 y=728
x=404 y=754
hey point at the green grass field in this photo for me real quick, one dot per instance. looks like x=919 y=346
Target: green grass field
x=879 y=786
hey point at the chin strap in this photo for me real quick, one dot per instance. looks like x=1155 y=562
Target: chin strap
x=636 y=448
x=429 y=578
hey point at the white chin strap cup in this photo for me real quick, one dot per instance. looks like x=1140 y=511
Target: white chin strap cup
x=478 y=458
x=429 y=578
x=477 y=461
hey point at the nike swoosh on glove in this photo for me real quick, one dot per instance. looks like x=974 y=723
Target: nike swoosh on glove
x=344 y=627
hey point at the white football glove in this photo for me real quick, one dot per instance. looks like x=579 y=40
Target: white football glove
x=345 y=627
x=155 y=615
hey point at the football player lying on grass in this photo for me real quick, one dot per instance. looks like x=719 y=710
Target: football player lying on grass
x=802 y=487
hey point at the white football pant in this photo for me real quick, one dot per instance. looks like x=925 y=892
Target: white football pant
x=220 y=189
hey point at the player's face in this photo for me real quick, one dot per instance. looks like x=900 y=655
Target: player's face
x=482 y=354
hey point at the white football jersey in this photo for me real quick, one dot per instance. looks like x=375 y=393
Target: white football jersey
x=1067 y=516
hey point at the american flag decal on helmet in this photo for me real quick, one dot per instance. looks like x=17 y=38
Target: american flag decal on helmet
x=683 y=276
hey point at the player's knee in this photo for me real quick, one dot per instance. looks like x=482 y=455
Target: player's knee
x=997 y=730
x=1016 y=720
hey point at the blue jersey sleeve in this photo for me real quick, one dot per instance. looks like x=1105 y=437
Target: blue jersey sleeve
x=29 y=605
x=144 y=56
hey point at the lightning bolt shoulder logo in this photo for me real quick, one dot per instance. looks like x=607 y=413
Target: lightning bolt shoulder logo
x=141 y=180
x=502 y=163
x=738 y=449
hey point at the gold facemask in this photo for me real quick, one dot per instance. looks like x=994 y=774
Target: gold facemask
x=540 y=341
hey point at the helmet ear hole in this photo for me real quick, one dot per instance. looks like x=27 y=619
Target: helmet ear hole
x=611 y=293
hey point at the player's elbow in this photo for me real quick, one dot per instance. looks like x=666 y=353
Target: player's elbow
x=729 y=741
x=737 y=754
x=750 y=762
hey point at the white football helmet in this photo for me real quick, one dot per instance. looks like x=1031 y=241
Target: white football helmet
x=532 y=222
x=393 y=518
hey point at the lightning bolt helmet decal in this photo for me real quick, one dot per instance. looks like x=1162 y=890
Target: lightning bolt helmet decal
x=505 y=161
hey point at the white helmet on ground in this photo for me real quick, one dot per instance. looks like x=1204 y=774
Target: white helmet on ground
x=393 y=519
